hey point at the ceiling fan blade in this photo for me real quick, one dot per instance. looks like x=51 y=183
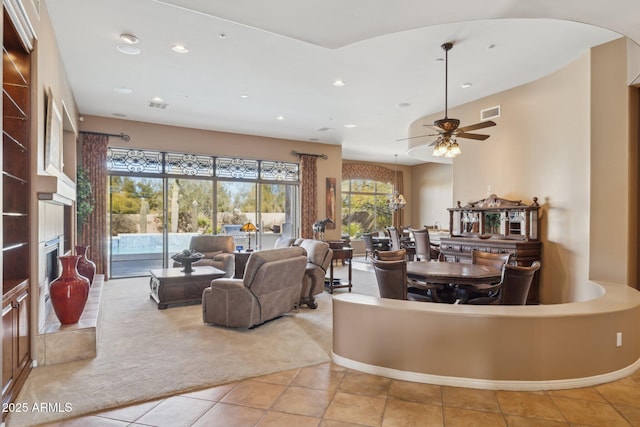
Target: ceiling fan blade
x=480 y=125
x=475 y=136
x=411 y=137
x=419 y=136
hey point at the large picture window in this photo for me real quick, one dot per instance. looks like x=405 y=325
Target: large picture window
x=158 y=200
x=364 y=206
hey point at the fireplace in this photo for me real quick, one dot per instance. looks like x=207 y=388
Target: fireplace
x=51 y=268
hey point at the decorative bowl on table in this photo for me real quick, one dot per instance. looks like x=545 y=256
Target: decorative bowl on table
x=186 y=258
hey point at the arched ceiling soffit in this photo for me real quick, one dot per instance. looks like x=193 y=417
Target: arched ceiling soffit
x=308 y=22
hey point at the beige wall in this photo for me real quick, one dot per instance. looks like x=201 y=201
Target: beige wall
x=541 y=147
x=432 y=191
x=611 y=168
x=172 y=138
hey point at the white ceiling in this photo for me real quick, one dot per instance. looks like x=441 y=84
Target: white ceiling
x=286 y=54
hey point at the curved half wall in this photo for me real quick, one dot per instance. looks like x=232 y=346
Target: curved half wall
x=494 y=347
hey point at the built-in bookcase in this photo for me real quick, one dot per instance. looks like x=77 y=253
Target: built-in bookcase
x=16 y=194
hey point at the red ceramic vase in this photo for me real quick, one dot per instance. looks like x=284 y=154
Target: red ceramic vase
x=86 y=267
x=69 y=292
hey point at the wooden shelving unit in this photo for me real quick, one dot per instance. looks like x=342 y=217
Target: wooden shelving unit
x=16 y=193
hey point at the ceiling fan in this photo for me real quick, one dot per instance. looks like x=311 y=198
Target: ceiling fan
x=448 y=129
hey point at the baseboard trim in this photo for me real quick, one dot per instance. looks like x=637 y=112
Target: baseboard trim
x=484 y=383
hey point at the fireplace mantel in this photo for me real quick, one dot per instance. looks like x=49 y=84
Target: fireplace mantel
x=56 y=189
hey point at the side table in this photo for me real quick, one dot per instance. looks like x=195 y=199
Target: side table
x=241 y=259
x=345 y=254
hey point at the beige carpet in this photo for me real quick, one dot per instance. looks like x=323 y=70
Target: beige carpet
x=145 y=353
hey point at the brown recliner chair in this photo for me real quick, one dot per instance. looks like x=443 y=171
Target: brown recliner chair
x=270 y=288
x=319 y=256
x=217 y=251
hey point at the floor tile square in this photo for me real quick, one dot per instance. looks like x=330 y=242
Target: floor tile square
x=622 y=392
x=254 y=394
x=303 y=401
x=280 y=419
x=467 y=398
x=130 y=413
x=365 y=384
x=223 y=415
x=532 y=405
x=400 y=413
x=324 y=377
x=585 y=412
x=352 y=408
x=458 y=417
x=176 y=411
x=415 y=392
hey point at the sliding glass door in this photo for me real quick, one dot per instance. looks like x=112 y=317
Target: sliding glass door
x=159 y=200
x=136 y=209
x=189 y=212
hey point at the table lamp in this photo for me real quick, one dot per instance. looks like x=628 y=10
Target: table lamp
x=248 y=228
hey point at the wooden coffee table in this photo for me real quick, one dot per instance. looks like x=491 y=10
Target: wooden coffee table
x=172 y=286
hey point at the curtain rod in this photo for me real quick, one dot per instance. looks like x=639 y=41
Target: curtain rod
x=124 y=137
x=321 y=156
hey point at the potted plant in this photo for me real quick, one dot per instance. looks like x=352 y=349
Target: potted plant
x=84 y=198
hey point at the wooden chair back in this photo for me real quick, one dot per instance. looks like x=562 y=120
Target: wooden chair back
x=391 y=277
x=516 y=282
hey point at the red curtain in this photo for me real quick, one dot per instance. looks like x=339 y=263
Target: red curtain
x=94 y=231
x=308 y=195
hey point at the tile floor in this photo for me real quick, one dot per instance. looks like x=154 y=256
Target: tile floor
x=328 y=395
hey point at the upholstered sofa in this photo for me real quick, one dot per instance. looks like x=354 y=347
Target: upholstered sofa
x=217 y=251
x=319 y=256
x=270 y=288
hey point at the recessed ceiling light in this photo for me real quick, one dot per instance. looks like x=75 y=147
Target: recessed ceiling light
x=491 y=46
x=129 y=38
x=244 y=95
x=280 y=118
x=180 y=48
x=465 y=85
x=222 y=36
x=157 y=99
x=338 y=83
x=124 y=90
x=439 y=60
x=350 y=126
x=127 y=49
x=403 y=105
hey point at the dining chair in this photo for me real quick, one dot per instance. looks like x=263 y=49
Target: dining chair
x=399 y=255
x=392 y=281
x=496 y=261
x=369 y=246
x=514 y=286
x=394 y=235
x=425 y=250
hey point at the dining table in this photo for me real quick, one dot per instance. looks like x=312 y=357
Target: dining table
x=463 y=277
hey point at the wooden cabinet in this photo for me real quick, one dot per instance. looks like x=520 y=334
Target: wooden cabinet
x=495 y=225
x=16 y=202
x=16 y=358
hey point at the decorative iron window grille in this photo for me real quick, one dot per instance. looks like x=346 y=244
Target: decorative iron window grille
x=278 y=171
x=139 y=161
x=184 y=164
x=236 y=168
x=188 y=164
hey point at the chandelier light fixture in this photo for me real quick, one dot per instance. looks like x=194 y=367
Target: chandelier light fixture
x=396 y=200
